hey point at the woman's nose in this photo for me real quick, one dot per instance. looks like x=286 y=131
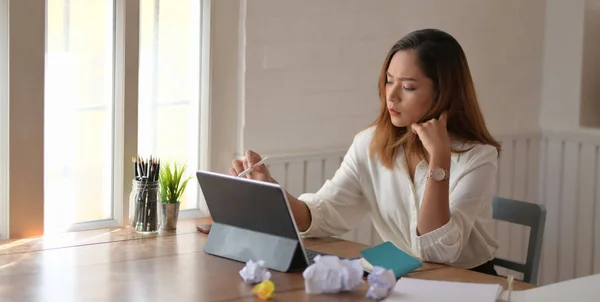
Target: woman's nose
x=394 y=95
x=394 y=98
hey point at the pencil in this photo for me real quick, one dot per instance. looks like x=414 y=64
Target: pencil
x=139 y=168
x=157 y=169
x=245 y=172
x=134 y=167
x=146 y=174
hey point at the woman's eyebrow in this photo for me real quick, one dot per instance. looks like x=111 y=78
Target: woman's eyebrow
x=402 y=78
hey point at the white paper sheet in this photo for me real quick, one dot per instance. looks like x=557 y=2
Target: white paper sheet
x=417 y=290
x=584 y=289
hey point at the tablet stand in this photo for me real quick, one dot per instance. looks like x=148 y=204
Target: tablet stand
x=279 y=253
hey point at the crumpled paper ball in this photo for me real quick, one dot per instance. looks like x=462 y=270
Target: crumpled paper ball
x=330 y=274
x=255 y=272
x=264 y=290
x=381 y=281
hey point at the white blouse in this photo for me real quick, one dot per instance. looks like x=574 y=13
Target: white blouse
x=362 y=186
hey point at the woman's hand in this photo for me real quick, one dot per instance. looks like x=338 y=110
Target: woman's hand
x=260 y=172
x=434 y=136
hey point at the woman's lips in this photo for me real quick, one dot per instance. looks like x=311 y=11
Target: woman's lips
x=393 y=112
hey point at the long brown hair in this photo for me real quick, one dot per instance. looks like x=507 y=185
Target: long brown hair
x=443 y=61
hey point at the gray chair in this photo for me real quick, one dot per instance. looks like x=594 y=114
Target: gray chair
x=528 y=214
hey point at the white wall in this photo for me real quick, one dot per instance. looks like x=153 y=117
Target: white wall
x=563 y=61
x=571 y=66
x=26 y=140
x=312 y=66
x=224 y=91
x=590 y=90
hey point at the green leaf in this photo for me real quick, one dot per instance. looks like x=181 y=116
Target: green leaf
x=170 y=180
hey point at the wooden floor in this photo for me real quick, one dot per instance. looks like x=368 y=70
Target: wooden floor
x=119 y=265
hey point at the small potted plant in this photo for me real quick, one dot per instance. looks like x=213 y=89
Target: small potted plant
x=172 y=187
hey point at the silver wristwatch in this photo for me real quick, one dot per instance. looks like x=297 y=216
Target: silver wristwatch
x=438 y=174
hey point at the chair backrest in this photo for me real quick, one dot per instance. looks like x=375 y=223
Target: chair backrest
x=528 y=214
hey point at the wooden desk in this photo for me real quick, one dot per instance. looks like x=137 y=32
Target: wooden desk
x=170 y=266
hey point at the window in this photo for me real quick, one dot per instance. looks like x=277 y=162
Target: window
x=117 y=79
x=78 y=112
x=3 y=119
x=169 y=85
x=88 y=102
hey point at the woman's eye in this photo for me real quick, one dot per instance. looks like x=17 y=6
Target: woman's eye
x=388 y=82
x=408 y=88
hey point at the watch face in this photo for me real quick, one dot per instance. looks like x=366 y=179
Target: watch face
x=438 y=174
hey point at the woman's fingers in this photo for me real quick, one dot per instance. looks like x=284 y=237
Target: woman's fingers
x=260 y=172
x=252 y=157
x=237 y=166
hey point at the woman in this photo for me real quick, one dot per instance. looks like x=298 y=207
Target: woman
x=424 y=171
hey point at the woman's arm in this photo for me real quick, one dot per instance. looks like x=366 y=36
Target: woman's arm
x=473 y=188
x=435 y=207
x=300 y=211
x=336 y=208
x=339 y=205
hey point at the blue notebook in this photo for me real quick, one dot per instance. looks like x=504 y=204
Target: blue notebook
x=390 y=257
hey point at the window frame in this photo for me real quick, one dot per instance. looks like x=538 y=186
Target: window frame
x=125 y=117
x=4 y=120
x=204 y=106
x=204 y=154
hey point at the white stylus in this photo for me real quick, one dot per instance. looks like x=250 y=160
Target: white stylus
x=252 y=168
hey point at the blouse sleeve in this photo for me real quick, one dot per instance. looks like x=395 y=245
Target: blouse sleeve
x=473 y=189
x=339 y=205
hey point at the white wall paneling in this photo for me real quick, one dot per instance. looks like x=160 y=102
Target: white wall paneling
x=307 y=172
x=569 y=183
x=516 y=179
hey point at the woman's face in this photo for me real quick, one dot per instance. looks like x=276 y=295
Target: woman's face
x=409 y=93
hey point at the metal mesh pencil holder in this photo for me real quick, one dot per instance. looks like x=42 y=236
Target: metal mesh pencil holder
x=144 y=206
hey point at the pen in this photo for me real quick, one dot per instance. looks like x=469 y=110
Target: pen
x=252 y=168
x=510 y=279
